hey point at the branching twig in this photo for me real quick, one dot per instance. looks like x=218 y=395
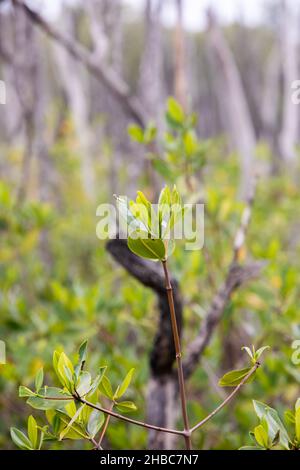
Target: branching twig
x=176 y=337
x=227 y=399
x=128 y=420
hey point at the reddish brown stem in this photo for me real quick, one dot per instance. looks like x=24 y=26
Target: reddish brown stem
x=187 y=435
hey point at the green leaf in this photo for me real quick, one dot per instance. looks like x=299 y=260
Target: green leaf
x=276 y=439
x=136 y=133
x=150 y=134
x=125 y=384
x=260 y=351
x=46 y=399
x=32 y=431
x=97 y=380
x=75 y=431
x=289 y=416
x=95 y=423
x=235 y=377
x=261 y=436
x=106 y=388
x=84 y=383
x=147 y=248
x=65 y=431
x=162 y=168
x=297 y=423
x=25 y=392
x=39 y=379
x=274 y=422
x=20 y=440
x=126 y=406
x=190 y=143
x=248 y=351
x=175 y=111
x=82 y=353
x=126 y=215
x=66 y=370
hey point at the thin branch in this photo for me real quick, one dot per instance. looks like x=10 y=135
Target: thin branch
x=228 y=399
x=103 y=430
x=129 y=420
x=102 y=72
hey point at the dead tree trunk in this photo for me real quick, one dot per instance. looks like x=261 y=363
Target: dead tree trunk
x=289 y=47
x=150 y=80
x=73 y=81
x=233 y=104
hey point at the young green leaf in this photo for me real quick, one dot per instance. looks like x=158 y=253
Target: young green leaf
x=20 y=440
x=84 y=383
x=95 y=422
x=147 y=248
x=82 y=353
x=297 y=421
x=50 y=398
x=32 y=431
x=174 y=111
x=39 y=379
x=261 y=436
x=125 y=384
x=106 y=388
x=235 y=377
x=136 y=133
x=25 y=392
x=126 y=406
x=274 y=422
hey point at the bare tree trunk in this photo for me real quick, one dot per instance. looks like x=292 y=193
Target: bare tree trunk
x=180 y=86
x=150 y=81
x=73 y=80
x=289 y=132
x=233 y=104
x=271 y=96
x=24 y=79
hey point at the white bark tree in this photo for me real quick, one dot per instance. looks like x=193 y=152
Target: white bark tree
x=290 y=51
x=233 y=103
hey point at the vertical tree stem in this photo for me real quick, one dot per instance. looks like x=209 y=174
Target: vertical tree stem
x=176 y=337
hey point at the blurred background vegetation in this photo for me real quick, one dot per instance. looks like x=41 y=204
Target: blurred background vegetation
x=65 y=149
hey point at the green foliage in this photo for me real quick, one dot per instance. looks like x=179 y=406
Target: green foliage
x=68 y=416
x=183 y=152
x=271 y=433
x=54 y=306
x=235 y=377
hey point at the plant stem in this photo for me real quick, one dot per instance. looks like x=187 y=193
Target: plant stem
x=227 y=399
x=169 y=288
x=127 y=419
x=103 y=431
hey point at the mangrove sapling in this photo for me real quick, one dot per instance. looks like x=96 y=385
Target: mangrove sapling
x=75 y=410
